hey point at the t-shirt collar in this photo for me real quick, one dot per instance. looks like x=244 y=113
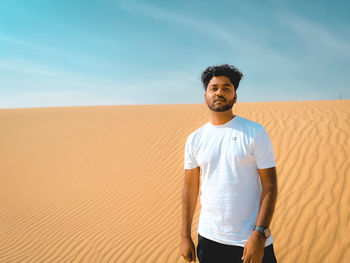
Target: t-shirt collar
x=225 y=124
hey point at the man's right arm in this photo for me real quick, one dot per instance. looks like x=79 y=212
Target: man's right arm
x=189 y=202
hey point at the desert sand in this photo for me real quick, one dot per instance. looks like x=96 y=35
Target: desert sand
x=104 y=183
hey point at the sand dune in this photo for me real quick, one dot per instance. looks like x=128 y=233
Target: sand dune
x=103 y=184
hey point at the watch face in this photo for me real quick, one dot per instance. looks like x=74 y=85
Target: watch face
x=267 y=232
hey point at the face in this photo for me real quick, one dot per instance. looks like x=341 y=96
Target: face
x=220 y=95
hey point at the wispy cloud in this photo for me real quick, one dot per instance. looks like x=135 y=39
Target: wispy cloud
x=238 y=37
x=58 y=98
x=318 y=35
x=9 y=40
x=44 y=86
x=170 y=86
x=200 y=25
x=27 y=67
x=56 y=76
x=90 y=65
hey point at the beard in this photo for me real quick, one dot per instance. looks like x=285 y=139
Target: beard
x=227 y=105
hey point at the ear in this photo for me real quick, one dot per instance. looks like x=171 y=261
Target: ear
x=205 y=98
x=235 y=98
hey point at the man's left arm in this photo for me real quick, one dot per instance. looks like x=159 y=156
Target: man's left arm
x=254 y=247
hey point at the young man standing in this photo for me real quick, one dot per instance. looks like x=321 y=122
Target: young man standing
x=239 y=184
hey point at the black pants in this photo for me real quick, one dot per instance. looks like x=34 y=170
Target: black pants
x=209 y=251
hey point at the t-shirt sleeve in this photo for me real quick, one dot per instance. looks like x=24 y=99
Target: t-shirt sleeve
x=263 y=150
x=190 y=159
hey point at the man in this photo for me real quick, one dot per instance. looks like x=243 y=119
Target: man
x=239 y=184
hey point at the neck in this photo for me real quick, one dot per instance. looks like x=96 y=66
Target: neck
x=220 y=118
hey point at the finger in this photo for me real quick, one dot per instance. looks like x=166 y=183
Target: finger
x=187 y=258
x=193 y=257
x=194 y=254
x=244 y=252
x=247 y=259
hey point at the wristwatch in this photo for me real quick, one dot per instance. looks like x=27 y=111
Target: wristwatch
x=265 y=231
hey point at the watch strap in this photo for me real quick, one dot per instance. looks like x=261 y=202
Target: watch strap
x=261 y=229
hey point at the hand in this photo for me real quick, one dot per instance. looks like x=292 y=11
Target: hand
x=187 y=249
x=254 y=248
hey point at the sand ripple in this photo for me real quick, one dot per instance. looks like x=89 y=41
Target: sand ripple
x=103 y=184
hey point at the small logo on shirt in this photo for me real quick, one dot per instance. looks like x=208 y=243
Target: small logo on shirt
x=234 y=138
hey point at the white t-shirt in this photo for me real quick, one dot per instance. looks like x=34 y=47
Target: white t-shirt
x=229 y=156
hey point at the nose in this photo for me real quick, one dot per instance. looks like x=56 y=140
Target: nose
x=219 y=92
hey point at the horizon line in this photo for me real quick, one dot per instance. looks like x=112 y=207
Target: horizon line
x=159 y=104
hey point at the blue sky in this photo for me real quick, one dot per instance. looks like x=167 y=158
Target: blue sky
x=72 y=53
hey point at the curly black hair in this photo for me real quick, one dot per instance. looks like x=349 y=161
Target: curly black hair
x=221 y=70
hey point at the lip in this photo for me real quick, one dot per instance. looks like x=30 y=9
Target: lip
x=219 y=100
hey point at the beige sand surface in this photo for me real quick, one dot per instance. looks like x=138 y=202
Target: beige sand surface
x=103 y=184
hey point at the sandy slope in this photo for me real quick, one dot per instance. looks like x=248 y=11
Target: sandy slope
x=103 y=184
